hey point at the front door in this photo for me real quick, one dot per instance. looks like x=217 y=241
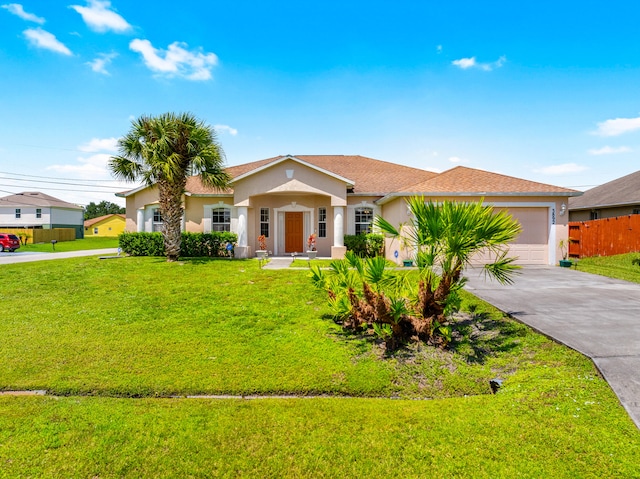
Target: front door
x=293 y=232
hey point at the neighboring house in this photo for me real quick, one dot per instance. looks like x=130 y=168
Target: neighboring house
x=32 y=209
x=287 y=198
x=619 y=197
x=107 y=225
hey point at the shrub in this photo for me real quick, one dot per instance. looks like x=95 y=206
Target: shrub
x=365 y=246
x=193 y=244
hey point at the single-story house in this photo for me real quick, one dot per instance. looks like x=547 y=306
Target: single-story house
x=619 y=197
x=107 y=225
x=32 y=209
x=286 y=198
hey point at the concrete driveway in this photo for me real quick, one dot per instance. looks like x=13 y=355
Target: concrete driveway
x=597 y=316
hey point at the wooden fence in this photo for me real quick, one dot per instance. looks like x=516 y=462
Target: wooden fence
x=604 y=237
x=41 y=235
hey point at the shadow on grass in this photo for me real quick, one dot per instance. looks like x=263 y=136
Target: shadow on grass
x=476 y=337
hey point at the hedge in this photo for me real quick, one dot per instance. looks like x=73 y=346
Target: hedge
x=193 y=244
x=365 y=246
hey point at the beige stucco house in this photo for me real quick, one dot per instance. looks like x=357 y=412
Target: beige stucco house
x=287 y=198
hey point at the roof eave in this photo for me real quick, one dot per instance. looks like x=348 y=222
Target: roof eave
x=480 y=194
x=298 y=160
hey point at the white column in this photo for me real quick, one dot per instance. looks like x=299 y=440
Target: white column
x=242 y=226
x=140 y=220
x=338 y=226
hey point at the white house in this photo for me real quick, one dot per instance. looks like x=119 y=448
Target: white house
x=32 y=209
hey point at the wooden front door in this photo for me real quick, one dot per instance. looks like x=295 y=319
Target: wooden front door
x=293 y=232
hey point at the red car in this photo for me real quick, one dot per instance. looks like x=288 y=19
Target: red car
x=9 y=242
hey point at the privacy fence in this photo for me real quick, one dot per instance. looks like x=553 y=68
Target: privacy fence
x=41 y=235
x=604 y=237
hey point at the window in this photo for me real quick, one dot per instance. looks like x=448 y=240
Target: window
x=322 y=222
x=18 y=213
x=95 y=231
x=636 y=211
x=157 y=220
x=221 y=219
x=264 y=222
x=594 y=215
x=364 y=218
x=38 y=213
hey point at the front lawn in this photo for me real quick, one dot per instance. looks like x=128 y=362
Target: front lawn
x=76 y=245
x=619 y=266
x=99 y=333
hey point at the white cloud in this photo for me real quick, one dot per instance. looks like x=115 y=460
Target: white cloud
x=100 y=144
x=176 y=61
x=439 y=49
x=617 y=126
x=456 y=160
x=92 y=167
x=99 y=64
x=42 y=39
x=466 y=63
x=609 y=150
x=226 y=129
x=17 y=9
x=562 y=169
x=100 y=18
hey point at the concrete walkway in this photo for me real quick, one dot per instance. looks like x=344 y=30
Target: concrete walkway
x=18 y=257
x=597 y=316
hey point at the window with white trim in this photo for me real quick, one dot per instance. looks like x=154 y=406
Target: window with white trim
x=221 y=219
x=363 y=220
x=322 y=222
x=157 y=220
x=18 y=213
x=38 y=213
x=264 y=222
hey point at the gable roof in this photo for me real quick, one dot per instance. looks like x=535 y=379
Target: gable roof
x=98 y=219
x=35 y=198
x=464 y=181
x=621 y=191
x=367 y=175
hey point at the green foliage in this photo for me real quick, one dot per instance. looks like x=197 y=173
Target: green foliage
x=444 y=238
x=103 y=208
x=365 y=246
x=192 y=245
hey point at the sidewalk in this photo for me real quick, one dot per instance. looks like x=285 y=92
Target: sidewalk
x=12 y=258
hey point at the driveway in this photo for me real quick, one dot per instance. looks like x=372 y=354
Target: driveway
x=597 y=316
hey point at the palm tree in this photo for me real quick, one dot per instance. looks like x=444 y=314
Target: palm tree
x=164 y=150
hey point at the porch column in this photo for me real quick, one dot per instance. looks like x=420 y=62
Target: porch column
x=242 y=248
x=338 y=250
x=140 y=220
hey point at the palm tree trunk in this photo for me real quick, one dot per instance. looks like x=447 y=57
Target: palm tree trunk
x=171 y=208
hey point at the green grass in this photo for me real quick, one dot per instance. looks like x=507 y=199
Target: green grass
x=618 y=266
x=99 y=333
x=77 y=245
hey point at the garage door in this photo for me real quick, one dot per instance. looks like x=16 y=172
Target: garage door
x=531 y=247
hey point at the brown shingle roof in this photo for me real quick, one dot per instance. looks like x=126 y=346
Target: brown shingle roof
x=461 y=179
x=35 y=198
x=621 y=191
x=369 y=175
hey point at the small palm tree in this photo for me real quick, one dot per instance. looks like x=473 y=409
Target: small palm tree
x=164 y=150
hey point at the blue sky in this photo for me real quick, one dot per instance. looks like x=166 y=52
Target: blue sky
x=545 y=90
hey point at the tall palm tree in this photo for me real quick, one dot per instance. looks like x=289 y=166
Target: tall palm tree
x=164 y=150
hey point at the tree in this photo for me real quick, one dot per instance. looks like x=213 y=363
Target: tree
x=101 y=209
x=164 y=150
x=443 y=239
